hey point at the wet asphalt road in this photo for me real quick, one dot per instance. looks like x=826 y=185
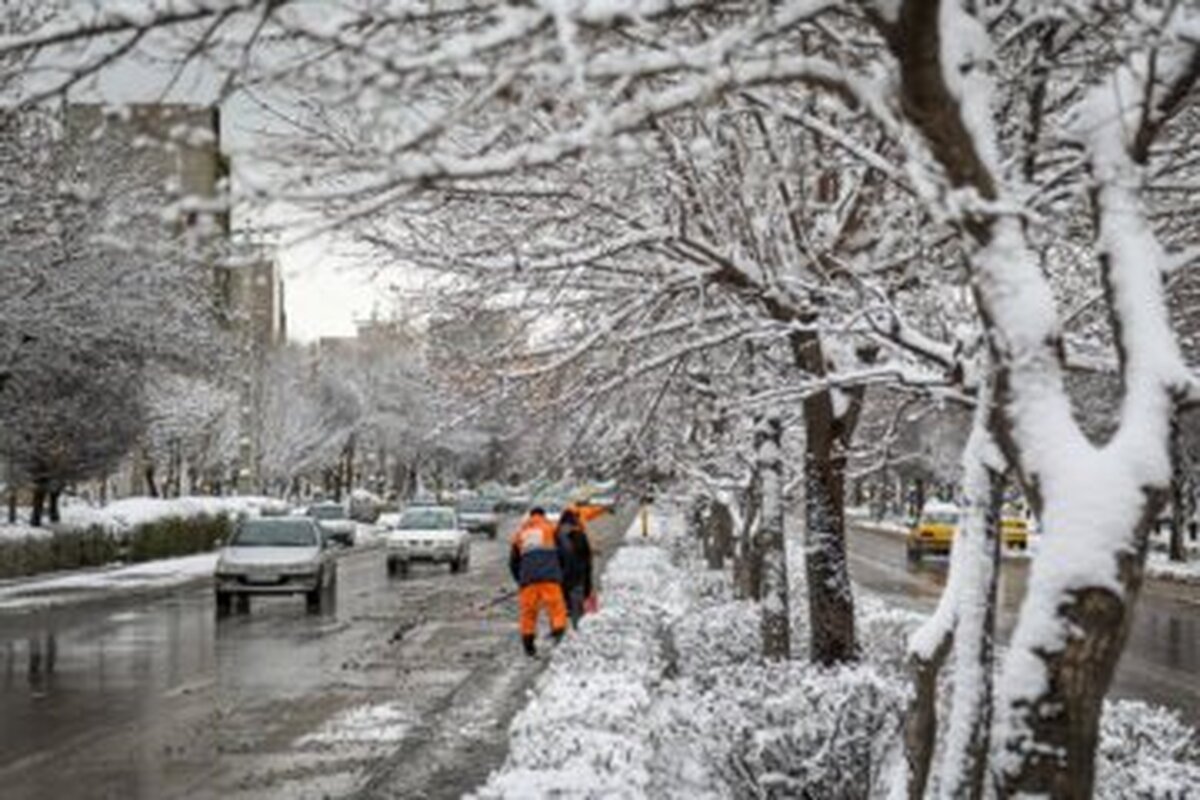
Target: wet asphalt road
x=1160 y=664
x=404 y=689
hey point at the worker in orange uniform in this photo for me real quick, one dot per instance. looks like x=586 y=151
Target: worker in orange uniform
x=536 y=562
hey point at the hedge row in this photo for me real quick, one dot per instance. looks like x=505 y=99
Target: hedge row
x=94 y=547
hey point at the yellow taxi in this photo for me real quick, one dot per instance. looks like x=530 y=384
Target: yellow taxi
x=934 y=530
x=1014 y=533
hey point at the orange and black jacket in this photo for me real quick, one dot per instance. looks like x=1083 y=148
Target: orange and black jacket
x=537 y=553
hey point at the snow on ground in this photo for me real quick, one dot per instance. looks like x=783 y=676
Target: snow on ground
x=133 y=511
x=22 y=531
x=151 y=575
x=382 y=723
x=122 y=515
x=1159 y=568
x=661 y=694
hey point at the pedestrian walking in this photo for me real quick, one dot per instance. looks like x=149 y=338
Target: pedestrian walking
x=577 y=564
x=536 y=562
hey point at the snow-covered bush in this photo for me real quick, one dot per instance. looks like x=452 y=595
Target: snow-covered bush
x=823 y=733
x=1146 y=751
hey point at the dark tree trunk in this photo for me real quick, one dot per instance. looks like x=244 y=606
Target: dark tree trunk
x=148 y=473
x=826 y=435
x=52 y=508
x=718 y=534
x=12 y=505
x=1180 y=492
x=39 y=503
x=919 y=496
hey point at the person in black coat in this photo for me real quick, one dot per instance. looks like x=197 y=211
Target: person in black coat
x=577 y=564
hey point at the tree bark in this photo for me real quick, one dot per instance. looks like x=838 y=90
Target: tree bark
x=718 y=534
x=148 y=474
x=1180 y=499
x=830 y=599
x=39 y=503
x=920 y=722
x=776 y=619
x=52 y=507
x=747 y=562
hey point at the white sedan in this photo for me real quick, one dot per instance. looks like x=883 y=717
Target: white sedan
x=428 y=533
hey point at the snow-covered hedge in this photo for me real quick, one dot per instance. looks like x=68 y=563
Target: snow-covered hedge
x=663 y=695
x=133 y=530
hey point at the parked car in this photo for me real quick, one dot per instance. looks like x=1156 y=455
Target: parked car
x=334 y=520
x=428 y=533
x=933 y=532
x=478 y=515
x=275 y=555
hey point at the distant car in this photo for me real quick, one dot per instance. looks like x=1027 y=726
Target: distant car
x=428 y=533
x=1014 y=533
x=365 y=506
x=478 y=515
x=334 y=520
x=934 y=531
x=275 y=555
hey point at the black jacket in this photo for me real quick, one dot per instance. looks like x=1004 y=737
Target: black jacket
x=577 y=558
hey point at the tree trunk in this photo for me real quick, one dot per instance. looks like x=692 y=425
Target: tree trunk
x=148 y=473
x=969 y=735
x=747 y=563
x=918 y=501
x=776 y=619
x=12 y=505
x=920 y=722
x=830 y=599
x=53 y=505
x=718 y=534
x=1180 y=499
x=39 y=503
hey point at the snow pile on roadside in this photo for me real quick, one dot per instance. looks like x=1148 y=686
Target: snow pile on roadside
x=1160 y=568
x=664 y=696
x=122 y=515
x=151 y=575
x=22 y=531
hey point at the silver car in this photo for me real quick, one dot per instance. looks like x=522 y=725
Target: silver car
x=275 y=555
x=428 y=533
x=478 y=515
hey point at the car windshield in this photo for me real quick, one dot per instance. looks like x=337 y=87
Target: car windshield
x=481 y=505
x=427 y=519
x=276 y=533
x=941 y=517
x=327 y=512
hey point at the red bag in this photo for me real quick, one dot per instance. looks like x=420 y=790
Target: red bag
x=591 y=604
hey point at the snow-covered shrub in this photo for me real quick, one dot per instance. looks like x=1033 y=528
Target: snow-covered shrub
x=29 y=551
x=1146 y=752
x=822 y=733
x=176 y=536
x=884 y=631
x=720 y=635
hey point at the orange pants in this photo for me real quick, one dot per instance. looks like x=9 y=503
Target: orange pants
x=530 y=601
